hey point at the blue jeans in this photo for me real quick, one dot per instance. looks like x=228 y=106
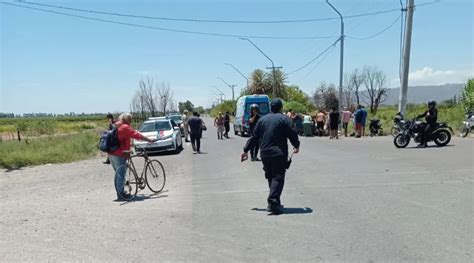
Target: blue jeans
x=120 y=167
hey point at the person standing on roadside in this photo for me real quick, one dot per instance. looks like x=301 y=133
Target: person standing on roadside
x=254 y=117
x=333 y=123
x=358 y=121
x=346 y=118
x=119 y=157
x=271 y=133
x=363 y=120
x=227 y=124
x=185 y=125
x=320 y=120
x=219 y=123
x=111 y=121
x=195 y=128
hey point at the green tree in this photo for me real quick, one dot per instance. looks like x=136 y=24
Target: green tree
x=226 y=106
x=259 y=82
x=294 y=93
x=467 y=96
x=280 y=80
x=187 y=105
x=295 y=106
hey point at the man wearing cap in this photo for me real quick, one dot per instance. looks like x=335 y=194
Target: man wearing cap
x=272 y=132
x=111 y=121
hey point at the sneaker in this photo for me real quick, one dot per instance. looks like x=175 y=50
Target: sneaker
x=106 y=161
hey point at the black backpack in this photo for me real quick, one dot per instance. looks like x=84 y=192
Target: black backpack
x=108 y=141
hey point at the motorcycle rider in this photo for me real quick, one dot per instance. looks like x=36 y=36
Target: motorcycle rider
x=431 y=117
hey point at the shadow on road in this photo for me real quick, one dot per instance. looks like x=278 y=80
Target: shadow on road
x=9 y=170
x=142 y=197
x=429 y=147
x=289 y=210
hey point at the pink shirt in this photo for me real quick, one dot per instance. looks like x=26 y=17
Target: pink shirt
x=346 y=116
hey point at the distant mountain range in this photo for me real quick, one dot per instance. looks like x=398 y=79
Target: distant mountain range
x=423 y=94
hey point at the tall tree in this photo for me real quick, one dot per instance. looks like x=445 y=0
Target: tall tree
x=187 y=105
x=375 y=82
x=467 y=96
x=164 y=96
x=355 y=81
x=149 y=97
x=325 y=96
x=277 y=80
x=259 y=82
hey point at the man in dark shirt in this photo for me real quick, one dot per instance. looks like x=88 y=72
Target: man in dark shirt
x=431 y=117
x=272 y=132
x=195 y=126
x=254 y=117
x=227 y=124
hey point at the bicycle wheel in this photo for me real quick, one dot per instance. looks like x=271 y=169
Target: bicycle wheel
x=130 y=186
x=155 y=176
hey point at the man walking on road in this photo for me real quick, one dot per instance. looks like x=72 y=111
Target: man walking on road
x=271 y=133
x=195 y=126
x=227 y=124
x=185 y=125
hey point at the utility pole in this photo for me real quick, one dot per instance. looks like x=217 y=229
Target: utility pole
x=272 y=68
x=230 y=86
x=341 y=63
x=241 y=74
x=406 y=57
x=221 y=94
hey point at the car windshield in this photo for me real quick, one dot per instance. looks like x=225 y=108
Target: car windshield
x=263 y=107
x=176 y=118
x=155 y=126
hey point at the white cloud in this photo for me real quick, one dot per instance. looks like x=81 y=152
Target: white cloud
x=430 y=76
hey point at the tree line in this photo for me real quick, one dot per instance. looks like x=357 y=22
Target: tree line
x=368 y=85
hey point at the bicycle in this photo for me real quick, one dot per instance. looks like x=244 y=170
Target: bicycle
x=153 y=176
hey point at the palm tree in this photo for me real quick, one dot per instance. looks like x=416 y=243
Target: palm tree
x=280 y=83
x=259 y=82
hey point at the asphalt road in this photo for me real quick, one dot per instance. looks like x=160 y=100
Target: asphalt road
x=347 y=200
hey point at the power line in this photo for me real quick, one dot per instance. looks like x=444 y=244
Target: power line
x=379 y=33
x=209 y=20
x=170 y=29
x=315 y=58
x=317 y=64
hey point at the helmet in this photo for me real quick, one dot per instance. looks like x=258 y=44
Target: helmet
x=254 y=106
x=432 y=103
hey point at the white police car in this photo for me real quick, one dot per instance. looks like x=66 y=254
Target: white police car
x=165 y=130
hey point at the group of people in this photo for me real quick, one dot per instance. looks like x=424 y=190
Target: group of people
x=327 y=123
x=222 y=123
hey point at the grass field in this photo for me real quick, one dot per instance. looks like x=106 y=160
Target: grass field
x=53 y=149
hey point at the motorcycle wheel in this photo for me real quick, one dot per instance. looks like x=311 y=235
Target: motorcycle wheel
x=394 y=131
x=463 y=131
x=442 y=138
x=401 y=141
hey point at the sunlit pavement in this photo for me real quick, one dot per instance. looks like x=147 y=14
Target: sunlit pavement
x=346 y=200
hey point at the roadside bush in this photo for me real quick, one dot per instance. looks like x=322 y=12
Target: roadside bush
x=58 y=149
x=295 y=106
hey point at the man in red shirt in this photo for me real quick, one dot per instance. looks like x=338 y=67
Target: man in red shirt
x=118 y=158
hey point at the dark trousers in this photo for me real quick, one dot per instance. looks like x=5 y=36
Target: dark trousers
x=196 y=141
x=227 y=129
x=344 y=126
x=426 y=132
x=275 y=169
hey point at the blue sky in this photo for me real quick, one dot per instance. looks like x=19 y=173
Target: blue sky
x=54 y=63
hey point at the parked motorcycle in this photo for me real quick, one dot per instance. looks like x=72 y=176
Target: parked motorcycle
x=441 y=134
x=397 y=127
x=466 y=126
